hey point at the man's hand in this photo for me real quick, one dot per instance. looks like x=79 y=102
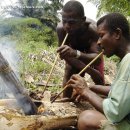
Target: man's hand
x=79 y=84
x=81 y=88
x=66 y=51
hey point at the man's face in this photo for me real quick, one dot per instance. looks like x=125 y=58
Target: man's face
x=71 y=22
x=107 y=40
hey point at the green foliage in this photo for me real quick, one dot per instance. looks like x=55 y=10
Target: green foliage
x=50 y=16
x=28 y=29
x=113 y=58
x=31 y=41
x=31 y=57
x=10 y=25
x=105 y=6
x=44 y=10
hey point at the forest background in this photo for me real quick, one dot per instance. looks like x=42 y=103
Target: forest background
x=30 y=32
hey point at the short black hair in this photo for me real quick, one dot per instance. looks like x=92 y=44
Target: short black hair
x=74 y=6
x=114 y=21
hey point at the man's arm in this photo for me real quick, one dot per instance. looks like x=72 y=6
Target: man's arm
x=70 y=56
x=85 y=57
x=93 y=50
x=99 y=89
x=81 y=87
x=88 y=57
x=95 y=74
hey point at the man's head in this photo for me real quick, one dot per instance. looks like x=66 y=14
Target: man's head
x=72 y=16
x=74 y=6
x=112 y=28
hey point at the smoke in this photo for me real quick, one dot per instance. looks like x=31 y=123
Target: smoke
x=7 y=49
x=10 y=82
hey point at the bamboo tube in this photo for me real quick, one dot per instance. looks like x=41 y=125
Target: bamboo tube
x=79 y=74
x=54 y=64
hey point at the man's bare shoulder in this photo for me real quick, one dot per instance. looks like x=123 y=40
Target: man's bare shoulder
x=92 y=24
x=92 y=29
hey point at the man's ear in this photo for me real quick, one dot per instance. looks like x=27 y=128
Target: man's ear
x=118 y=33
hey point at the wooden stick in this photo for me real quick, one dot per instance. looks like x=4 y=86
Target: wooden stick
x=57 y=67
x=54 y=64
x=90 y=63
x=79 y=74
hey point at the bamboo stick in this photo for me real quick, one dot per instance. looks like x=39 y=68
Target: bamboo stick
x=54 y=64
x=79 y=74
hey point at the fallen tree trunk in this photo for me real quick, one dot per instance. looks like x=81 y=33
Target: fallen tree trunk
x=16 y=87
x=54 y=116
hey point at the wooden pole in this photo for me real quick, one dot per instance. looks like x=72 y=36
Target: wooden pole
x=79 y=74
x=54 y=64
